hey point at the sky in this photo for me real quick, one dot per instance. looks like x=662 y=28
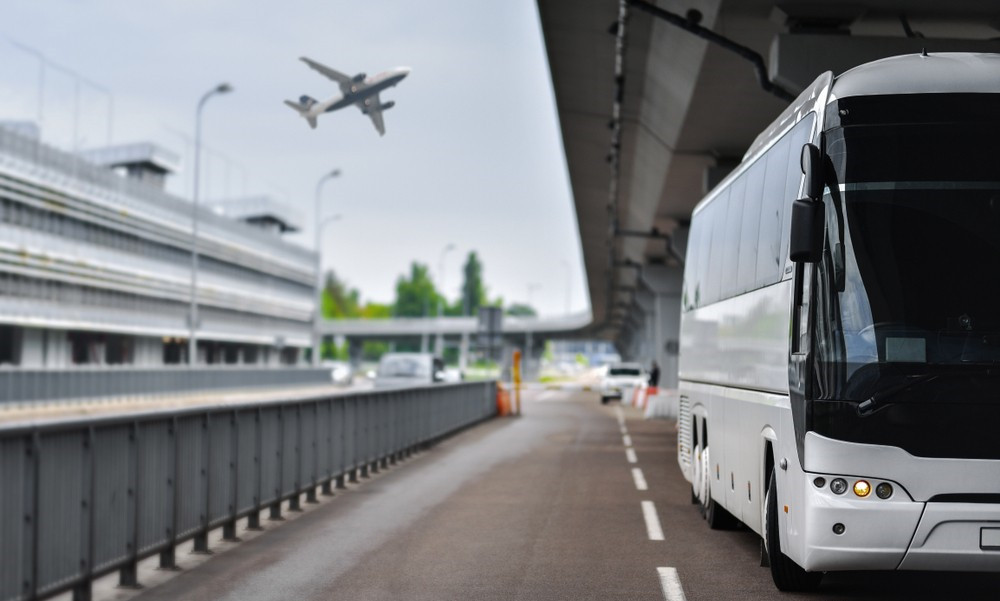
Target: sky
x=472 y=154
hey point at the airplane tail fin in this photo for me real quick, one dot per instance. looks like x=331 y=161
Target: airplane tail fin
x=302 y=108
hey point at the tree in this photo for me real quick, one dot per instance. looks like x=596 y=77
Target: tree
x=339 y=301
x=521 y=310
x=416 y=295
x=473 y=291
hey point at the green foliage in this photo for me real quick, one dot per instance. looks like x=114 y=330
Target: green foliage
x=473 y=290
x=521 y=310
x=581 y=359
x=547 y=354
x=372 y=350
x=339 y=301
x=416 y=295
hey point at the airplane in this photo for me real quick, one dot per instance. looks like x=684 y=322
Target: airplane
x=359 y=90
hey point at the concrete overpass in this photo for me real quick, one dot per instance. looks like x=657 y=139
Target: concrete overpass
x=528 y=331
x=652 y=115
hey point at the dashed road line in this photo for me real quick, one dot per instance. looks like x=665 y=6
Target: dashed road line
x=640 y=480
x=670 y=582
x=630 y=455
x=621 y=415
x=653 y=528
x=627 y=440
x=623 y=430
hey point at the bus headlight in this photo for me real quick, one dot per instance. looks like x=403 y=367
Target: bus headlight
x=838 y=486
x=883 y=490
x=862 y=488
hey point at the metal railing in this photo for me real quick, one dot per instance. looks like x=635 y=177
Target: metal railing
x=27 y=385
x=80 y=499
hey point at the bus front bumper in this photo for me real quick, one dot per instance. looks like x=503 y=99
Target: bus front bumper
x=898 y=533
x=956 y=537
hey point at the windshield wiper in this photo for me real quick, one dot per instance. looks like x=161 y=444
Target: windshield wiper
x=876 y=400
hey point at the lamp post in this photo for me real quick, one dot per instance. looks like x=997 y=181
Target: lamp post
x=439 y=344
x=319 y=262
x=222 y=88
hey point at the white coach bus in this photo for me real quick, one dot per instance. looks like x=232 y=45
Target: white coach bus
x=840 y=336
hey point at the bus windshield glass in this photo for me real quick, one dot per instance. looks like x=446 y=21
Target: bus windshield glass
x=908 y=293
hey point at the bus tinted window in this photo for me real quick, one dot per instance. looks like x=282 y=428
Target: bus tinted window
x=716 y=217
x=793 y=179
x=769 y=249
x=731 y=237
x=747 y=270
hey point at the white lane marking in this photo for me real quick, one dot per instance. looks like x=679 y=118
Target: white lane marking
x=620 y=414
x=653 y=528
x=670 y=582
x=630 y=455
x=627 y=440
x=640 y=480
x=623 y=430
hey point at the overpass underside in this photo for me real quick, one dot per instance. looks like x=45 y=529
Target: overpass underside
x=653 y=115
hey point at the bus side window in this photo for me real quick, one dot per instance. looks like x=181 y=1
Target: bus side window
x=749 y=241
x=769 y=261
x=716 y=217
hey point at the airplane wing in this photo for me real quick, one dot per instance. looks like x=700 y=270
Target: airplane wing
x=376 y=115
x=373 y=109
x=333 y=74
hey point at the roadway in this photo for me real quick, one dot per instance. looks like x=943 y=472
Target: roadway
x=542 y=507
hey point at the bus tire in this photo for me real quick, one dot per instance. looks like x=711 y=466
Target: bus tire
x=787 y=574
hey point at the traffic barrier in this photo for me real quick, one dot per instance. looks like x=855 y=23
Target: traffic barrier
x=86 y=497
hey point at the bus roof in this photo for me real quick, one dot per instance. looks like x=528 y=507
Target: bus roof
x=937 y=73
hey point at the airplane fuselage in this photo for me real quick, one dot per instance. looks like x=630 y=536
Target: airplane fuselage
x=362 y=91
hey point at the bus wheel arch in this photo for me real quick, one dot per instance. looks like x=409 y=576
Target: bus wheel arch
x=787 y=575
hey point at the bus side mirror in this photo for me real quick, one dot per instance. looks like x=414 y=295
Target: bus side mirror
x=808 y=225
x=812 y=168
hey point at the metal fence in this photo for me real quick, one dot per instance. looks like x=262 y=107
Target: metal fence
x=83 y=498
x=20 y=385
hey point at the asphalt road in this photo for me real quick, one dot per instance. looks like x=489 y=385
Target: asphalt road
x=545 y=506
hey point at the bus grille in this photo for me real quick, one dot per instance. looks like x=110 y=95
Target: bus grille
x=684 y=430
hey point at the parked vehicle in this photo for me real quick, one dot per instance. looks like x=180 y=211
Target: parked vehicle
x=408 y=369
x=341 y=372
x=621 y=376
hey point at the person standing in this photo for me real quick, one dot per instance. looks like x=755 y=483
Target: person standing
x=654 y=375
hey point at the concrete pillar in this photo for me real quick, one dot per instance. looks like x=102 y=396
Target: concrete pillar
x=463 y=352
x=664 y=284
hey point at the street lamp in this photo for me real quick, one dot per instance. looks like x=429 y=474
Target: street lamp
x=319 y=261
x=439 y=344
x=222 y=88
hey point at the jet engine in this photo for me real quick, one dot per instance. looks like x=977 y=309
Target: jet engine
x=382 y=107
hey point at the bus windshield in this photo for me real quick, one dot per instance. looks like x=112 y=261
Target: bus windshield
x=908 y=294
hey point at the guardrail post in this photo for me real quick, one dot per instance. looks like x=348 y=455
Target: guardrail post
x=275 y=514
x=128 y=576
x=327 y=489
x=201 y=538
x=293 y=502
x=82 y=591
x=253 y=520
x=229 y=528
x=168 y=556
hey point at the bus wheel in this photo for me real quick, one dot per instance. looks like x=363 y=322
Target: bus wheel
x=787 y=574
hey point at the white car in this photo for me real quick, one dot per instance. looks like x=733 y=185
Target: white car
x=621 y=376
x=408 y=369
x=341 y=372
